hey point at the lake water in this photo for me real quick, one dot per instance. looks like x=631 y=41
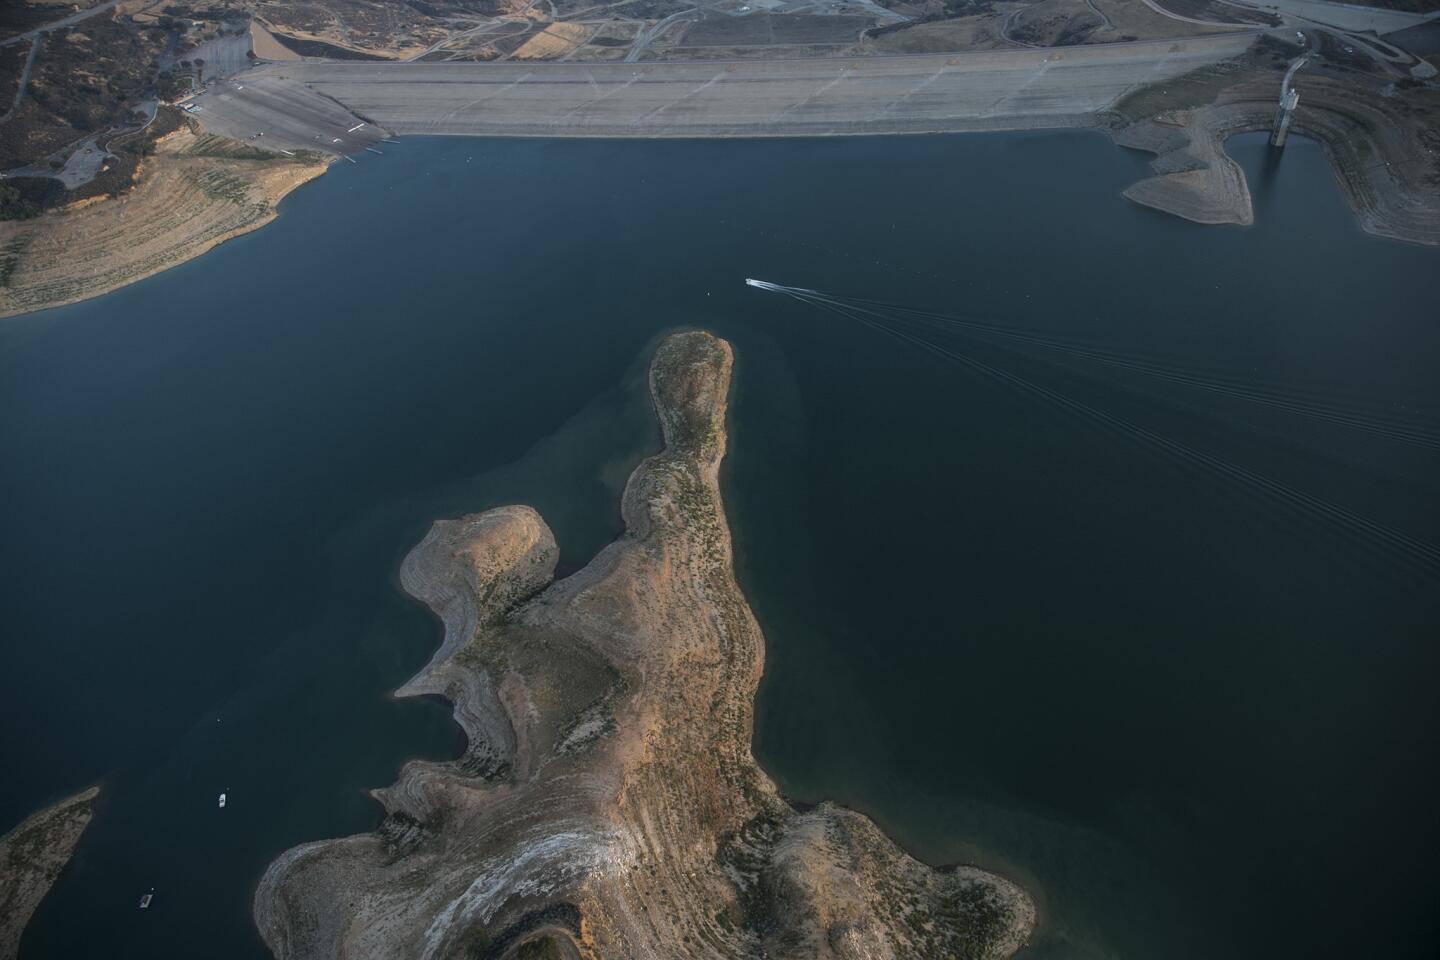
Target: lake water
x=1196 y=721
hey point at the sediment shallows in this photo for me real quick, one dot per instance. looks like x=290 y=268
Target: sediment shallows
x=608 y=799
x=31 y=858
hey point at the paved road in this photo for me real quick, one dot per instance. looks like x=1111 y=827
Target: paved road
x=1302 y=13
x=87 y=158
x=57 y=24
x=972 y=91
x=1217 y=24
x=1345 y=16
x=647 y=37
x=1290 y=74
x=1010 y=22
x=84 y=164
x=24 y=78
x=1105 y=24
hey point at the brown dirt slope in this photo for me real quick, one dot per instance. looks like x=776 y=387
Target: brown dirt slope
x=608 y=805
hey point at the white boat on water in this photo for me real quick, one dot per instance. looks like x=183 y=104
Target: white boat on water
x=145 y=900
x=222 y=801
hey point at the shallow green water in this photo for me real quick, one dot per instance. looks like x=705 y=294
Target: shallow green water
x=1195 y=724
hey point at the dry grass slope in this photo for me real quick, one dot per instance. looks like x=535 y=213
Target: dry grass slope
x=193 y=194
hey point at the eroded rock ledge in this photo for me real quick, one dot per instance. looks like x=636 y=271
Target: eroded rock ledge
x=608 y=801
x=1194 y=176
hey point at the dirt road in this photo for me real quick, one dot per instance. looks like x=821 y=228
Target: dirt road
x=57 y=24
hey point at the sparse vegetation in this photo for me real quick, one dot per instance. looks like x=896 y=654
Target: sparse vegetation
x=15 y=205
x=696 y=855
x=9 y=259
x=1194 y=89
x=34 y=853
x=543 y=948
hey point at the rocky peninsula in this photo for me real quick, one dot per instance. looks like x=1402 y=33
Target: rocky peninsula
x=607 y=804
x=31 y=858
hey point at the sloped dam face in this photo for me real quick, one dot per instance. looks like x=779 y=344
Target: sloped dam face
x=1090 y=546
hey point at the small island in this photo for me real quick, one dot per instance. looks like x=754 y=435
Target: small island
x=607 y=804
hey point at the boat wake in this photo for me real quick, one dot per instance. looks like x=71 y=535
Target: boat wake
x=953 y=339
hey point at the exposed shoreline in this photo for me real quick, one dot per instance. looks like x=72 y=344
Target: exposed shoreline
x=1195 y=177
x=607 y=800
x=31 y=858
x=1197 y=180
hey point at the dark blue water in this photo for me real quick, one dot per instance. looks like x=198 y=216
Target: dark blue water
x=1195 y=723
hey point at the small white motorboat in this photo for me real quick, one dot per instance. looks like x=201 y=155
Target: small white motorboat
x=222 y=801
x=145 y=900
